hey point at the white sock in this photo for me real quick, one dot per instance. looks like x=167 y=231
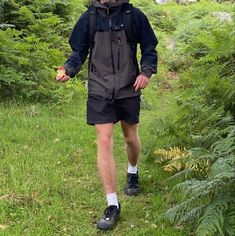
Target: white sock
x=132 y=169
x=112 y=199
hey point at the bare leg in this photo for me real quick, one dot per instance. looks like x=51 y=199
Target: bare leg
x=132 y=140
x=105 y=159
x=106 y=166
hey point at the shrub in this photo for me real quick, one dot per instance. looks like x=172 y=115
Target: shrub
x=35 y=46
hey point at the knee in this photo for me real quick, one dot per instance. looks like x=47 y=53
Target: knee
x=105 y=141
x=131 y=140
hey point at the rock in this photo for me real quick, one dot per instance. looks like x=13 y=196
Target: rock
x=185 y=2
x=224 y=16
x=220 y=1
x=4 y=26
x=161 y=1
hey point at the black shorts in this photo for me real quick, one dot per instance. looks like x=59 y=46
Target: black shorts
x=102 y=110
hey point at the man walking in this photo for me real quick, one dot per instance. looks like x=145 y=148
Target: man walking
x=110 y=31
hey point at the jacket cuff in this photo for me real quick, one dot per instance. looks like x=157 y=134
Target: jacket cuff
x=146 y=71
x=69 y=70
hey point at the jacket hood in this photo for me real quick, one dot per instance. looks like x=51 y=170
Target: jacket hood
x=97 y=4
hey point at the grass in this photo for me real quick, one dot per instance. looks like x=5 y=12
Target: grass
x=48 y=175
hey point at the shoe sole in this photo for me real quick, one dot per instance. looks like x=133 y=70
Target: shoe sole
x=131 y=193
x=108 y=228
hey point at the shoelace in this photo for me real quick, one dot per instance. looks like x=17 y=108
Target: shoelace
x=133 y=180
x=108 y=211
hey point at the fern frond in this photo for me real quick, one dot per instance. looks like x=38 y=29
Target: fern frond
x=225 y=146
x=182 y=175
x=212 y=221
x=229 y=221
x=178 y=212
x=223 y=165
x=192 y=215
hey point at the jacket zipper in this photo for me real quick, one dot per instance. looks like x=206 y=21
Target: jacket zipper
x=111 y=47
x=119 y=45
x=112 y=58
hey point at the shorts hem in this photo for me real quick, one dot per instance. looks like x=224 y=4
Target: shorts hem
x=131 y=122
x=101 y=122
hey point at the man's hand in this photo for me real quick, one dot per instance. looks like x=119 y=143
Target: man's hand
x=61 y=75
x=141 y=82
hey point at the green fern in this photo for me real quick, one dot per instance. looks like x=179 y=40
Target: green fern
x=212 y=221
x=206 y=201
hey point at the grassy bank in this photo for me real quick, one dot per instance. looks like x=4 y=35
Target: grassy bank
x=48 y=175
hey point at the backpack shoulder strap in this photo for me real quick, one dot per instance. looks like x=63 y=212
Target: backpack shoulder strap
x=128 y=24
x=92 y=24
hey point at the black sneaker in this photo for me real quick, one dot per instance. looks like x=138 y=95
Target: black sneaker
x=110 y=217
x=132 y=187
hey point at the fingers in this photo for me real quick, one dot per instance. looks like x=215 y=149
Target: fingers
x=63 y=78
x=141 y=82
x=136 y=81
x=59 y=77
x=60 y=68
x=137 y=84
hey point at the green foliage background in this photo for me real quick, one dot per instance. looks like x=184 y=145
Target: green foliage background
x=203 y=58
x=33 y=42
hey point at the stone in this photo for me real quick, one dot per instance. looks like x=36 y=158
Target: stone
x=185 y=2
x=4 y=26
x=224 y=16
x=161 y=1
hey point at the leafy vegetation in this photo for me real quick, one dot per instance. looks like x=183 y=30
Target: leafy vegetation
x=33 y=46
x=188 y=120
x=203 y=58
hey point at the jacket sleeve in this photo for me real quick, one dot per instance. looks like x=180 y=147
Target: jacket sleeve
x=148 y=42
x=79 y=43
